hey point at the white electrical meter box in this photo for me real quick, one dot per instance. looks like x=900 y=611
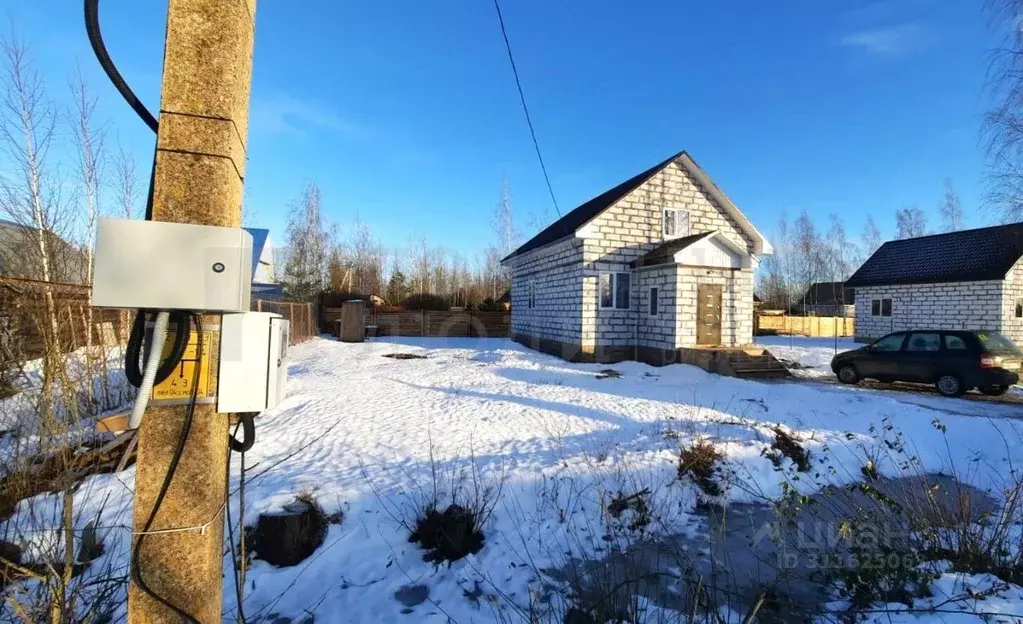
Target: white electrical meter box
x=171 y=266
x=253 y=361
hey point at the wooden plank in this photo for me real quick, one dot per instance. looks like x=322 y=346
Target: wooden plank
x=113 y=424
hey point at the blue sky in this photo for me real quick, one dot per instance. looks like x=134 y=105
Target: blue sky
x=406 y=112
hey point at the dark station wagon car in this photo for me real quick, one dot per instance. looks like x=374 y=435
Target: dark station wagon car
x=954 y=361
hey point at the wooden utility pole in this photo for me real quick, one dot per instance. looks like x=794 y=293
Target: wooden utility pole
x=200 y=166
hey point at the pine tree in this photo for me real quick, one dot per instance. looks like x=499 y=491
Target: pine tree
x=397 y=287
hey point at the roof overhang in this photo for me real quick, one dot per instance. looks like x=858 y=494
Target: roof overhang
x=745 y=259
x=761 y=246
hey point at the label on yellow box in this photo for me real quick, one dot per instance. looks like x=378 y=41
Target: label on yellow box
x=178 y=386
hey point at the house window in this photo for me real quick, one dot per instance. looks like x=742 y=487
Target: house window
x=532 y=294
x=881 y=307
x=615 y=290
x=622 y=289
x=676 y=223
x=1019 y=308
x=653 y=301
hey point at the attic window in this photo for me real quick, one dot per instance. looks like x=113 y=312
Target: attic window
x=676 y=223
x=1019 y=308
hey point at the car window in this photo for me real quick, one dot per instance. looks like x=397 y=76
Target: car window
x=889 y=343
x=955 y=343
x=923 y=342
x=999 y=343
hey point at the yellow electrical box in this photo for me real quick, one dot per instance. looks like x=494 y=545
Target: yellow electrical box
x=178 y=386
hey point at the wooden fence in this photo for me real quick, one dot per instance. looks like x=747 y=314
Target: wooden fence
x=815 y=326
x=23 y=316
x=23 y=308
x=466 y=324
x=303 y=321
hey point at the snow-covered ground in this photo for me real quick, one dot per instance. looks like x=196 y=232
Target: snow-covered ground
x=367 y=435
x=812 y=354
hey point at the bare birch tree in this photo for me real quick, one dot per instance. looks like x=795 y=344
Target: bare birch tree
x=503 y=224
x=89 y=140
x=809 y=254
x=126 y=186
x=870 y=238
x=422 y=260
x=90 y=147
x=951 y=210
x=30 y=190
x=839 y=258
x=1003 y=123
x=308 y=246
x=910 y=222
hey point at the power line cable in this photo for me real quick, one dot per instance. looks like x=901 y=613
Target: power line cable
x=100 y=49
x=525 y=109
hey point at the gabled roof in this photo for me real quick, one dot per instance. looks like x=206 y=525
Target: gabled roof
x=966 y=256
x=258 y=240
x=827 y=293
x=568 y=225
x=665 y=254
x=580 y=216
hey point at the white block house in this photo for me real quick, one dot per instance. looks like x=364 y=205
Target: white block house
x=970 y=280
x=663 y=261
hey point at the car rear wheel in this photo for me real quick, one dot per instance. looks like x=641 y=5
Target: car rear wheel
x=848 y=374
x=994 y=390
x=950 y=385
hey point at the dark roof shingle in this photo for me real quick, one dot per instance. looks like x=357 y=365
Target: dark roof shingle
x=829 y=293
x=575 y=219
x=665 y=253
x=966 y=256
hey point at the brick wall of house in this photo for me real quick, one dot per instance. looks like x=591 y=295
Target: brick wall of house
x=632 y=227
x=557 y=275
x=953 y=305
x=1012 y=292
x=736 y=304
x=656 y=331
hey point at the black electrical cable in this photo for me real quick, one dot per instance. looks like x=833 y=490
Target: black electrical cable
x=238 y=590
x=136 y=571
x=525 y=109
x=247 y=421
x=133 y=351
x=100 y=49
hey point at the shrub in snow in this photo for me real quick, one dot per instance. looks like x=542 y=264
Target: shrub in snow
x=638 y=516
x=787 y=445
x=448 y=535
x=698 y=463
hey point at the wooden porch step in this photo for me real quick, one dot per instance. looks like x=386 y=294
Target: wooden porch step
x=762 y=373
x=755 y=364
x=751 y=363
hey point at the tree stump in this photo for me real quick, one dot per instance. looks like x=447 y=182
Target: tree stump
x=287 y=537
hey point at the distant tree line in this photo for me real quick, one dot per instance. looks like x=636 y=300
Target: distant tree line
x=805 y=254
x=347 y=258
